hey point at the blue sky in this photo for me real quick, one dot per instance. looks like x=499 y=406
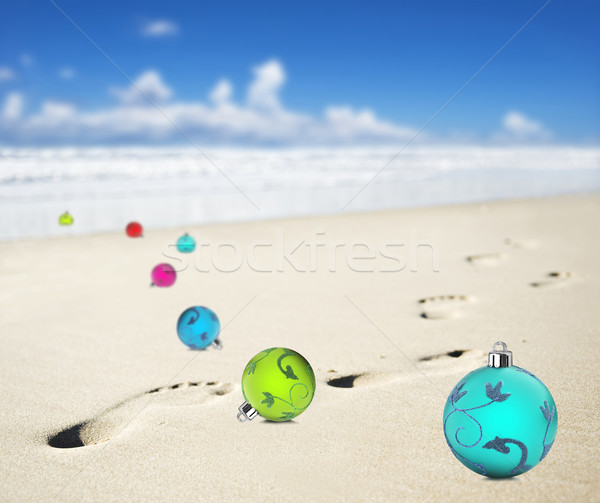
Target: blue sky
x=381 y=69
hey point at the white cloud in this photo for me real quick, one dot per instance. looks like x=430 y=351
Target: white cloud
x=57 y=110
x=517 y=126
x=262 y=119
x=13 y=106
x=6 y=74
x=160 y=28
x=222 y=92
x=26 y=59
x=263 y=92
x=66 y=73
x=149 y=84
x=346 y=123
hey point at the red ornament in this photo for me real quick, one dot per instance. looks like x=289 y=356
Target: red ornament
x=134 y=230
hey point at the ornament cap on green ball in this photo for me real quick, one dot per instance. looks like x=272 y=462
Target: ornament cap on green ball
x=500 y=420
x=246 y=412
x=278 y=384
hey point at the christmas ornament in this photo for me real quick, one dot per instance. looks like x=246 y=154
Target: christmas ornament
x=134 y=230
x=186 y=243
x=65 y=219
x=198 y=327
x=163 y=275
x=500 y=420
x=278 y=384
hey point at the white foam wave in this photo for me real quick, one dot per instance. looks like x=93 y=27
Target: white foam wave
x=110 y=171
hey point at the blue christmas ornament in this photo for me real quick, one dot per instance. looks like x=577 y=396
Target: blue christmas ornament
x=198 y=327
x=186 y=243
x=500 y=420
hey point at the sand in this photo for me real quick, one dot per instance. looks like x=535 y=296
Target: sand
x=87 y=343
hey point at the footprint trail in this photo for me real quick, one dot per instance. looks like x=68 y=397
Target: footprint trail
x=486 y=259
x=365 y=379
x=448 y=363
x=443 y=306
x=109 y=423
x=554 y=279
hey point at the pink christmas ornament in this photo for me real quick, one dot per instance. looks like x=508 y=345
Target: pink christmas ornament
x=163 y=275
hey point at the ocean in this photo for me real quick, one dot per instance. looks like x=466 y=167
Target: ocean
x=104 y=188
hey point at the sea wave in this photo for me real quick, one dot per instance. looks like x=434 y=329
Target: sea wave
x=163 y=187
x=254 y=169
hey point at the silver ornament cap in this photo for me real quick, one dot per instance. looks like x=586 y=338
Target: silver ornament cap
x=246 y=412
x=500 y=358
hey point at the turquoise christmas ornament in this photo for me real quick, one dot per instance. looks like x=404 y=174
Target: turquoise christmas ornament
x=500 y=420
x=198 y=327
x=186 y=243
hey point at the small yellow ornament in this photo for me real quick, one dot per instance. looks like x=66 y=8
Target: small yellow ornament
x=65 y=219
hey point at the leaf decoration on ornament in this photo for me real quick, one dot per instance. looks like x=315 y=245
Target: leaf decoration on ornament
x=193 y=320
x=498 y=444
x=547 y=411
x=269 y=399
x=286 y=415
x=494 y=393
x=288 y=372
x=252 y=366
x=456 y=393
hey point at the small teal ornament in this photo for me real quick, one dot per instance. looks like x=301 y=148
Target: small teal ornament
x=198 y=327
x=500 y=420
x=186 y=243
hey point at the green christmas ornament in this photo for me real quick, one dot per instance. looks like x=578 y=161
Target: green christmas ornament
x=278 y=384
x=65 y=219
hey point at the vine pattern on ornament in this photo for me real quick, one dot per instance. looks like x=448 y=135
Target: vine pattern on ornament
x=270 y=400
x=548 y=415
x=252 y=366
x=519 y=369
x=499 y=444
x=494 y=393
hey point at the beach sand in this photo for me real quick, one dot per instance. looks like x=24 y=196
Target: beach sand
x=86 y=340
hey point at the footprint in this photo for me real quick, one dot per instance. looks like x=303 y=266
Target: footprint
x=457 y=360
x=451 y=362
x=110 y=422
x=558 y=278
x=443 y=306
x=365 y=379
x=451 y=356
x=486 y=259
x=457 y=353
x=343 y=381
x=527 y=244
